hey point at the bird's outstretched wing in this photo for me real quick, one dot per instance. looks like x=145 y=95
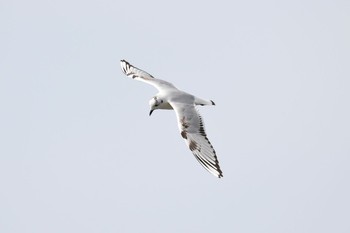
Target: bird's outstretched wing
x=138 y=74
x=192 y=130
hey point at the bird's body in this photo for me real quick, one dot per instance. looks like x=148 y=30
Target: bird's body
x=189 y=121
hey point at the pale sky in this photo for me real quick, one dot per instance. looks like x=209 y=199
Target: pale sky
x=79 y=153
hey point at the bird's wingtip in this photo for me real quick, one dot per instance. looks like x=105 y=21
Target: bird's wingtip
x=212 y=102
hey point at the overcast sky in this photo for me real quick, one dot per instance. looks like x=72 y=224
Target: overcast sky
x=79 y=153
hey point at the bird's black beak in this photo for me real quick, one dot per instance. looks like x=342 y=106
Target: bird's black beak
x=150 y=112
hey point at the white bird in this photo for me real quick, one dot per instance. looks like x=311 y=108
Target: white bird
x=190 y=123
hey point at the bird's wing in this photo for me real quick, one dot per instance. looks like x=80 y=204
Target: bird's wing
x=192 y=130
x=138 y=74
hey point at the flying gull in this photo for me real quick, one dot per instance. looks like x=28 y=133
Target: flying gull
x=190 y=123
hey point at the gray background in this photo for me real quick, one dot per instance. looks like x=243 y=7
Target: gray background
x=79 y=152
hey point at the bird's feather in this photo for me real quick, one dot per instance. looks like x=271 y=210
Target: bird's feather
x=138 y=74
x=191 y=128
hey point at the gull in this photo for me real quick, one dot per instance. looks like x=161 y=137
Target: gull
x=190 y=123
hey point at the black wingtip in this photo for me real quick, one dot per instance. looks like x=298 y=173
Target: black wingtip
x=220 y=175
x=212 y=102
x=124 y=61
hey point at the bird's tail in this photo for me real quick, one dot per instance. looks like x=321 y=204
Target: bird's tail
x=202 y=102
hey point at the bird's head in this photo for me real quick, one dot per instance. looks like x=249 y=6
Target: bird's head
x=154 y=104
